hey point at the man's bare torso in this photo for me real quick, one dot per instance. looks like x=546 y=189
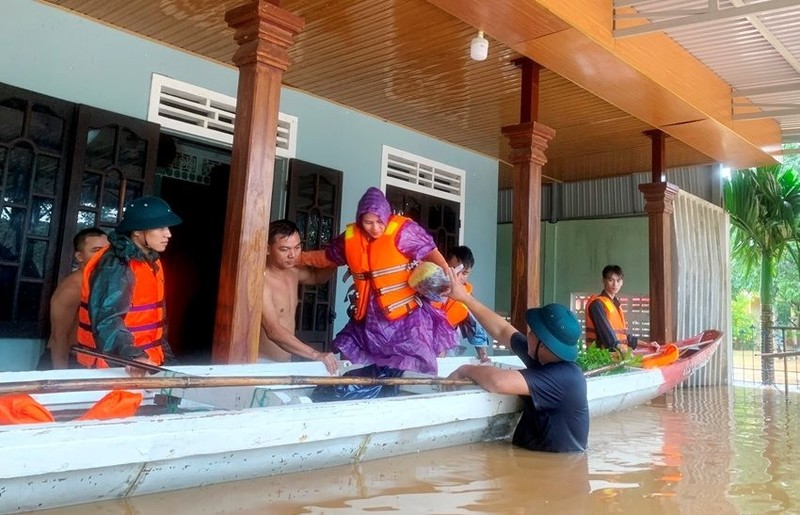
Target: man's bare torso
x=68 y=297
x=281 y=286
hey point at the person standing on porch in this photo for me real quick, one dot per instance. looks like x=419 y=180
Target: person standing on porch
x=605 y=319
x=66 y=300
x=281 y=279
x=123 y=310
x=391 y=327
x=555 y=413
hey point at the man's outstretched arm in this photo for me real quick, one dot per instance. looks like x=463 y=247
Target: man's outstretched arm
x=286 y=339
x=494 y=324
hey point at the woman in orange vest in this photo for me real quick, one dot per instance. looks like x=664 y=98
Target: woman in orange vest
x=122 y=310
x=390 y=326
x=605 y=320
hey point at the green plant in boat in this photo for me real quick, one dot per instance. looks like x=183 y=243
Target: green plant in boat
x=592 y=357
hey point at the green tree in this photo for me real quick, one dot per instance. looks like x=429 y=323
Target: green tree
x=743 y=322
x=764 y=204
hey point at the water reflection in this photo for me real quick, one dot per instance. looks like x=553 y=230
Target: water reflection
x=700 y=451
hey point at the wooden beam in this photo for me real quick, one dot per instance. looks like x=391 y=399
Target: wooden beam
x=264 y=32
x=672 y=92
x=529 y=94
x=659 y=155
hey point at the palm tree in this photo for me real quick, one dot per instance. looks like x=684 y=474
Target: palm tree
x=764 y=208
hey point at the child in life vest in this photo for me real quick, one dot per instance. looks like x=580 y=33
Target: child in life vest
x=462 y=262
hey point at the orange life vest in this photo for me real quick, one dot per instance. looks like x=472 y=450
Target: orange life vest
x=380 y=269
x=23 y=409
x=455 y=311
x=616 y=317
x=145 y=318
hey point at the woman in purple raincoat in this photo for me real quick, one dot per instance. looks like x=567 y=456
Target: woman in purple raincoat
x=390 y=326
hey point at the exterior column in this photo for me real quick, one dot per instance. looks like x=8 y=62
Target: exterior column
x=264 y=32
x=658 y=155
x=659 y=204
x=528 y=144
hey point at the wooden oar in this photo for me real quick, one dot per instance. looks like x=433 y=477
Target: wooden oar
x=151 y=383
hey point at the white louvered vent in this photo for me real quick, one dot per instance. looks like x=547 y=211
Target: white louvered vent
x=406 y=170
x=184 y=109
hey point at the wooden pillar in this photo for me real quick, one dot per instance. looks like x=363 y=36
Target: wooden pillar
x=529 y=91
x=264 y=32
x=658 y=154
x=528 y=141
x=659 y=204
x=659 y=196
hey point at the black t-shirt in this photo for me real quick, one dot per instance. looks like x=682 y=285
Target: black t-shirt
x=555 y=418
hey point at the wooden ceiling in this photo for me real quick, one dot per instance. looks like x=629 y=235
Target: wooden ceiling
x=408 y=62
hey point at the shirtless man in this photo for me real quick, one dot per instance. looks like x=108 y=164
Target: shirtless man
x=66 y=299
x=281 y=277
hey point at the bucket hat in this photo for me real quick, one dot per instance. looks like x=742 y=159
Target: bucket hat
x=146 y=213
x=557 y=328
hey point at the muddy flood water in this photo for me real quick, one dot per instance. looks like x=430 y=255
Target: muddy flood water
x=703 y=450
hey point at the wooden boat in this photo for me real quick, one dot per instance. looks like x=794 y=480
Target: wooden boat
x=227 y=434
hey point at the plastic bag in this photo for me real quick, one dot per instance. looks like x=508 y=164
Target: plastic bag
x=430 y=281
x=327 y=393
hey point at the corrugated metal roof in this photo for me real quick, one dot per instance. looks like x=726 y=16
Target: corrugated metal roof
x=754 y=46
x=613 y=197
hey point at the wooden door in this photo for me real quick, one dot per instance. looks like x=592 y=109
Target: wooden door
x=114 y=161
x=314 y=204
x=34 y=155
x=442 y=218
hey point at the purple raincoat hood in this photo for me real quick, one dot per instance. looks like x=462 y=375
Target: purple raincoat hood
x=374 y=201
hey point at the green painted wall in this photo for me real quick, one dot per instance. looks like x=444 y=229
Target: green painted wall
x=574 y=254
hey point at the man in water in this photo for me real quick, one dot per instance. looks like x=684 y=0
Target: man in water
x=555 y=415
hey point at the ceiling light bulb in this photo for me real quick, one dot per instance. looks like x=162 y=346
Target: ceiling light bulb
x=479 y=48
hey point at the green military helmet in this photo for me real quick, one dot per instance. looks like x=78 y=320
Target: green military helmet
x=146 y=213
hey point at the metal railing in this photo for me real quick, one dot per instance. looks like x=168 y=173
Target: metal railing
x=785 y=356
x=747 y=362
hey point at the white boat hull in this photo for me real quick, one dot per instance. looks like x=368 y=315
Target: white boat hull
x=66 y=463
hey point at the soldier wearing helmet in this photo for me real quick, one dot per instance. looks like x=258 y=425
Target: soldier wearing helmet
x=122 y=310
x=555 y=412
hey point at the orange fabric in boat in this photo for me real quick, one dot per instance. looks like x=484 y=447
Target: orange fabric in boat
x=668 y=354
x=21 y=408
x=115 y=404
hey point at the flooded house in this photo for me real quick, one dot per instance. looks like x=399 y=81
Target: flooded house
x=576 y=141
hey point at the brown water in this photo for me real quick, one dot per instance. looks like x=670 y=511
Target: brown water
x=706 y=450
